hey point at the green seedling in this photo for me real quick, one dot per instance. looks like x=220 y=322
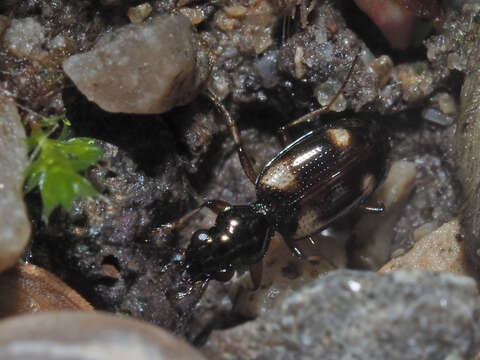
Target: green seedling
x=56 y=163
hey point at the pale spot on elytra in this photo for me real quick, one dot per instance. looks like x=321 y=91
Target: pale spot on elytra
x=339 y=137
x=279 y=177
x=309 y=221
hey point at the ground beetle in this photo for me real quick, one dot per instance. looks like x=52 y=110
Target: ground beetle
x=313 y=181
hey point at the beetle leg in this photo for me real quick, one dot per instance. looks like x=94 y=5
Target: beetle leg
x=232 y=125
x=292 y=244
x=224 y=274
x=297 y=251
x=285 y=138
x=256 y=274
x=372 y=209
x=217 y=206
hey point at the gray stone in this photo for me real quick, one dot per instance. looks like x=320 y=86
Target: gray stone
x=362 y=315
x=14 y=223
x=25 y=37
x=140 y=68
x=87 y=336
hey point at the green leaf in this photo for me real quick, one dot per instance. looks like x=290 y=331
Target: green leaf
x=56 y=164
x=51 y=121
x=33 y=140
x=62 y=187
x=34 y=176
x=84 y=152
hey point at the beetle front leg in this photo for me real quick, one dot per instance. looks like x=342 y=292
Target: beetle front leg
x=217 y=206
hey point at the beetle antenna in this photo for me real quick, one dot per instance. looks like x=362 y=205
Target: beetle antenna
x=307 y=117
x=232 y=125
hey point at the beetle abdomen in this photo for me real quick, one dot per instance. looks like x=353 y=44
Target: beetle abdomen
x=323 y=174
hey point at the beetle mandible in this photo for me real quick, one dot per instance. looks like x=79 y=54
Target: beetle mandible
x=313 y=181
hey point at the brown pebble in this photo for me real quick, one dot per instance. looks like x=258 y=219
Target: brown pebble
x=110 y=271
x=235 y=11
x=139 y=13
x=86 y=336
x=382 y=66
x=28 y=288
x=195 y=16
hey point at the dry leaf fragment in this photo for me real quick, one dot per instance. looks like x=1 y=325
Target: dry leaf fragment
x=28 y=288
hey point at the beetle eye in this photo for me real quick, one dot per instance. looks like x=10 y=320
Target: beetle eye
x=200 y=237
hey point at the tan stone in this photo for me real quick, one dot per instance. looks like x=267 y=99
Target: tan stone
x=373 y=232
x=284 y=272
x=138 y=13
x=441 y=250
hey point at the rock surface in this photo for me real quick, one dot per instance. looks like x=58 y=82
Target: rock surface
x=140 y=68
x=25 y=37
x=441 y=250
x=465 y=58
x=14 y=223
x=116 y=254
x=112 y=254
x=361 y=315
x=28 y=289
x=85 y=336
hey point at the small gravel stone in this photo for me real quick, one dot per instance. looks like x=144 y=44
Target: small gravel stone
x=417 y=80
x=139 y=13
x=14 y=223
x=24 y=37
x=140 y=68
x=404 y=315
x=87 y=336
x=382 y=66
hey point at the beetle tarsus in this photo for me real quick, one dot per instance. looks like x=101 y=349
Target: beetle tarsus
x=372 y=209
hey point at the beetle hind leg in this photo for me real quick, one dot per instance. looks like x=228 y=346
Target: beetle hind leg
x=297 y=250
